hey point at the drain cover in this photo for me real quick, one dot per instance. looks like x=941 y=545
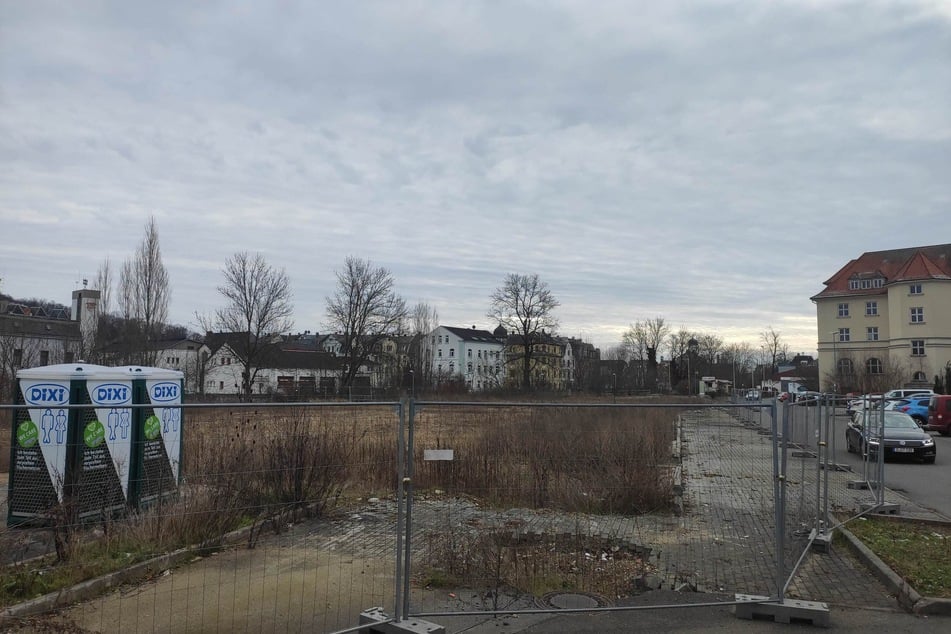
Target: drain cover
x=572 y=601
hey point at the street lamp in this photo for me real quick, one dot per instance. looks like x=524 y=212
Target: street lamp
x=692 y=346
x=412 y=378
x=614 y=392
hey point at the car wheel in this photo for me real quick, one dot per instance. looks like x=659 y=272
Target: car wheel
x=921 y=421
x=848 y=444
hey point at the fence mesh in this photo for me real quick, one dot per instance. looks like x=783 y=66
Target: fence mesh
x=292 y=517
x=304 y=492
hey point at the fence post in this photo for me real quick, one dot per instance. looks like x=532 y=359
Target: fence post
x=779 y=492
x=408 y=484
x=400 y=473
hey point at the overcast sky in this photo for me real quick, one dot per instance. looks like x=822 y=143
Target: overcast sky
x=709 y=162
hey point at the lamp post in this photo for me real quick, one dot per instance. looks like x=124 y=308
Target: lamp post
x=692 y=346
x=614 y=392
x=412 y=378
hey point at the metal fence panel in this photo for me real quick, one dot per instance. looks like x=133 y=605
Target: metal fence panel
x=306 y=493
x=526 y=507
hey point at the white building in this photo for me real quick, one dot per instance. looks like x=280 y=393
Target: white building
x=189 y=356
x=475 y=357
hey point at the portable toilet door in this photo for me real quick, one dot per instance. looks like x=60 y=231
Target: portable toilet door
x=62 y=468
x=157 y=435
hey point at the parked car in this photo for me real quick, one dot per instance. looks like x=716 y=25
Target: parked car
x=868 y=401
x=808 y=398
x=906 y=392
x=914 y=406
x=903 y=436
x=783 y=397
x=752 y=395
x=939 y=414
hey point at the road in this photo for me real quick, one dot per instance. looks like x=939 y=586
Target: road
x=929 y=485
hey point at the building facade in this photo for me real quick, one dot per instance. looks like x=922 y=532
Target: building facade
x=884 y=320
x=468 y=355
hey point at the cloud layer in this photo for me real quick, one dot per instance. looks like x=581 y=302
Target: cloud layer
x=713 y=162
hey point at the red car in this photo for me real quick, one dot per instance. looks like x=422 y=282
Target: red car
x=939 y=414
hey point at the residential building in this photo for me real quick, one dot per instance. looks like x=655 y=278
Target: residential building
x=545 y=371
x=189 y=355
x=883 y=320
x=48 y=334
x=470 y=355
x=284 y=369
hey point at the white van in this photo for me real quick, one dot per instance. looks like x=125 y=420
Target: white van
x=905 y=393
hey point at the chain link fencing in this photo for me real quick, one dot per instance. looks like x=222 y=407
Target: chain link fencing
x=300 y=517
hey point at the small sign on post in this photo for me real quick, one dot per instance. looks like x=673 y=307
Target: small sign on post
x=437 y=454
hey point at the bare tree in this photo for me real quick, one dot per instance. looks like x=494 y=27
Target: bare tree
x=772 y=344
x=742 y=357
x=365 y=309
x=708 y=348
x=644 y=339
x=525 y=306
x=423 y=319
x=258 y=305
x=143 y=297
x=103 y=284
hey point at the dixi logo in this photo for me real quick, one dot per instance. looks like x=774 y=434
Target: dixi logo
x=164 y=392
x=47 y=394
x=111 y=393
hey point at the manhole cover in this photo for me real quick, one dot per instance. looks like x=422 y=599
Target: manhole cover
x=572 y=601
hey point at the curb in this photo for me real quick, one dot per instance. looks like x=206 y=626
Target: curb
x=93 y=588
x=908 y=598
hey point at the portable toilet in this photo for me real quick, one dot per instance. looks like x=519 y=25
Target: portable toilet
x=76 y=459
x=157 y=433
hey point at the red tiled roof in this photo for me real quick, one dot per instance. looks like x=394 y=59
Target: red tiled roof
x=896 y=265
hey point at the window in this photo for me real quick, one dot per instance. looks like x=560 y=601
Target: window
x=44 y=357
x=918 y=315
x=871 y=309
x=469 y=369
x=68 y=357
x=844 y=334
x=221 y=385
x=452 y=352
x=871 y=333
x=919 y=377
x=845 y=366
x=843 y=310
x=917 y=347
x=469 y=353
x=914 y=289
x=18 y=357
x=853 y=285
x=873 y=366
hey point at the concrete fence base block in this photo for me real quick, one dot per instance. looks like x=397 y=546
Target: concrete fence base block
x=887 y=508
x=821 y=542
x=804 y=454
x=789 y=611
x=862 y=484
x=835 y=466
x=380 y=623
